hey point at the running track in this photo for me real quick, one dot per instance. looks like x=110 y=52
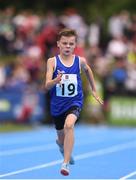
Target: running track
x=101 y=152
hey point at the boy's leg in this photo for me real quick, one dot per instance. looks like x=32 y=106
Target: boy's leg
x=60 y=140
x=60 y=143
x=69 y=136
x=68 y=142
x=60 y=134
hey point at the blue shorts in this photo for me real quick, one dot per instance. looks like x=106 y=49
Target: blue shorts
x=59 y=121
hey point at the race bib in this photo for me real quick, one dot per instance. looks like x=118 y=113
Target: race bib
x=67 y=86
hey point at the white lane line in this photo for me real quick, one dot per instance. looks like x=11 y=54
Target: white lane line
x=41 y=148
x=47 y=147
x=111 y=149
x=21 y=141
x=53 y=163
x=99 y=152
x=128 y=176
x=27 y=150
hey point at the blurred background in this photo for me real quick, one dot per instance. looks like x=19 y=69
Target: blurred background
x=107 y=38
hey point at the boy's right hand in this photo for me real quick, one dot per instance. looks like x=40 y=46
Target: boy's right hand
x=59 y=76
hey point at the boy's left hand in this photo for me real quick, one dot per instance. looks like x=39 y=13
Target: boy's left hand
x=97 y=97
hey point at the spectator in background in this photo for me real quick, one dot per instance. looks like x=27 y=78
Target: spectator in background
x=117 y=47
x=2 y=75
x=131 y=67
x=118 y=24
x=6 y=31
x=19 y=78
x=130 y=83
x=72 y=19
x=131 y=55
x=94 y=34
x=119 y=75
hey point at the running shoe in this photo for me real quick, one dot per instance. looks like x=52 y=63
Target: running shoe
x=64 y=169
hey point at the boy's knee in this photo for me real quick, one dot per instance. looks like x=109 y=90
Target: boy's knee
x=68 y=126
x=70 y=121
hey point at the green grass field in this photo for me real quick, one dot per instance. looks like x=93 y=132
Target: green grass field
x=11 y=127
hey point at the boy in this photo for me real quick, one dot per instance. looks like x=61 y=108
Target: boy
x=64 y=82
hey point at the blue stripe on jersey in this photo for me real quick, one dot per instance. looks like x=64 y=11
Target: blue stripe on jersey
x=70 y=94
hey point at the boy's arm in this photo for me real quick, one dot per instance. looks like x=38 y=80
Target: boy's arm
x=90 y=77
x=49 y=82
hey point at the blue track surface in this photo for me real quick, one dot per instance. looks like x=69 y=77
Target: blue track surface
x=101 y=152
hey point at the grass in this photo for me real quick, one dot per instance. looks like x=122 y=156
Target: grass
x=122 y=122
x=7 y=59
x=12 y=127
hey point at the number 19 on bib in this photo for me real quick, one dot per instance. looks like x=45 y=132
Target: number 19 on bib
x=68 y=86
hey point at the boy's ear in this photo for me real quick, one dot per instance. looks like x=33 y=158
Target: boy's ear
x=57 y=43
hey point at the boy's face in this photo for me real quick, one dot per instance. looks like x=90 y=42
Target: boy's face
x=67 y=45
